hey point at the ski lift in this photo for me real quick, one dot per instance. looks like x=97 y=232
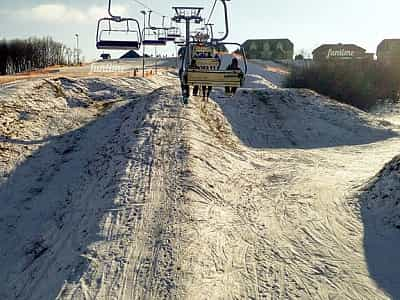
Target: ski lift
x=205 y=57
x=131 y=43
x=199 y=66
x=164 y=32
x=174 y=32
x=204 y=70
x=163 y=36
x=180 y=42
x=151 y=37
x=103 y=42
x=159 y=33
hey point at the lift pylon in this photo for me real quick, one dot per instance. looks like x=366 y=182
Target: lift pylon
x=187 y=15
x=201 y=63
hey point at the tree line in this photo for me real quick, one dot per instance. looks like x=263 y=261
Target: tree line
x=26 y=55
x=362 y=83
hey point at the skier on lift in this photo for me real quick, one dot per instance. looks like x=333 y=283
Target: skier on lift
x=234 y=66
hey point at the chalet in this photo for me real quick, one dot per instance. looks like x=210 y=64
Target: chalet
x=269 y=49
x=339 y=52
x=388 y=52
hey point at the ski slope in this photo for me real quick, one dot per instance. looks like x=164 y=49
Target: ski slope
x=110 y=188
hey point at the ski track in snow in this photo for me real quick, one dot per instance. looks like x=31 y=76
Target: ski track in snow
x=112 y=189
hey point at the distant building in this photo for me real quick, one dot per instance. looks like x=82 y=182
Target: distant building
x=130 y=55
x=340 y=52
x=388 y=51
x=105 y=56
x=269 y=49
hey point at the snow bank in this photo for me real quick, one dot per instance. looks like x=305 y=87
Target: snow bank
x=34 y=112
x=387 y=110
x=291 y=118
x=74 y=214
x=269 y=70
x=382 y=195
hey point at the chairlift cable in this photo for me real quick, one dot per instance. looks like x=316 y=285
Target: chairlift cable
x=149 y=8
x=212 y=11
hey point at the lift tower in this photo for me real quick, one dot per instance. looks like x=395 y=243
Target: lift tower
x=187 y=15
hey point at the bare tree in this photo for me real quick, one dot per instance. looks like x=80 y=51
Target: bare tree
x=26 y=55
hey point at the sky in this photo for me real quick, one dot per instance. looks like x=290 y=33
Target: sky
x=307 y=23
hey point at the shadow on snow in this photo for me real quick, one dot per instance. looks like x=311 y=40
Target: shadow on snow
x=53 y=203
x=380 y=214
x=270 y=118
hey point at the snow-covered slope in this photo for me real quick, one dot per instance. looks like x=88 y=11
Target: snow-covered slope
x=289 y=118
x=275 y=220
x=75 y=207
x=382 y=195
x=380 y=210
x=112 y=189
x=35 y=112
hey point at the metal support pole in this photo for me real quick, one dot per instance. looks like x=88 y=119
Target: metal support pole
x=77 y=48
x=186 y=14
x=211 y=31
x=155 y=54
x=226 y=24
x=143 y=44
x=187 y=50
x=177 y=56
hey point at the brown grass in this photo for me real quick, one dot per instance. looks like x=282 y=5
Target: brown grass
x=49 y=73
x=361 y=84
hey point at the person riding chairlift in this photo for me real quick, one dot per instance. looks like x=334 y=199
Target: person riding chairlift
x=218 y=58
x=194 y=66
x=206 y=90
x=234 y=66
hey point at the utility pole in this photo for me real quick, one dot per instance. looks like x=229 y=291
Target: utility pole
x=68 y=54
x=143 y=41
x=156 y=57
x=77 y=48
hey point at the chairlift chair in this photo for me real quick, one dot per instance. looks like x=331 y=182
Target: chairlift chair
x=163 y=36
x=193 y=75
x=134 y=41
x=205 y=57
x=174 y=32
x=152 y=37
x=179 y=43
x=155 y=36
x=125 y=44
x=204 y=71
x=169 y=34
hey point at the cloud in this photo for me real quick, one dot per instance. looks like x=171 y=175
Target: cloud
x=60 y=13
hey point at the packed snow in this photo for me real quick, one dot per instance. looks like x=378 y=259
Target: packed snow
x=111 y=188
x=380 y=208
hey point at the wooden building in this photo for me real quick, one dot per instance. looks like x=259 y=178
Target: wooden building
x=388 y=52
x=269 y=49
x=339 y=52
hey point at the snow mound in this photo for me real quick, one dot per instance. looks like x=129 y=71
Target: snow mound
x=291 y=118
x=382 y=195
x=255 y=81
x=388 y=110
x=269 y=70
x=34 y=112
